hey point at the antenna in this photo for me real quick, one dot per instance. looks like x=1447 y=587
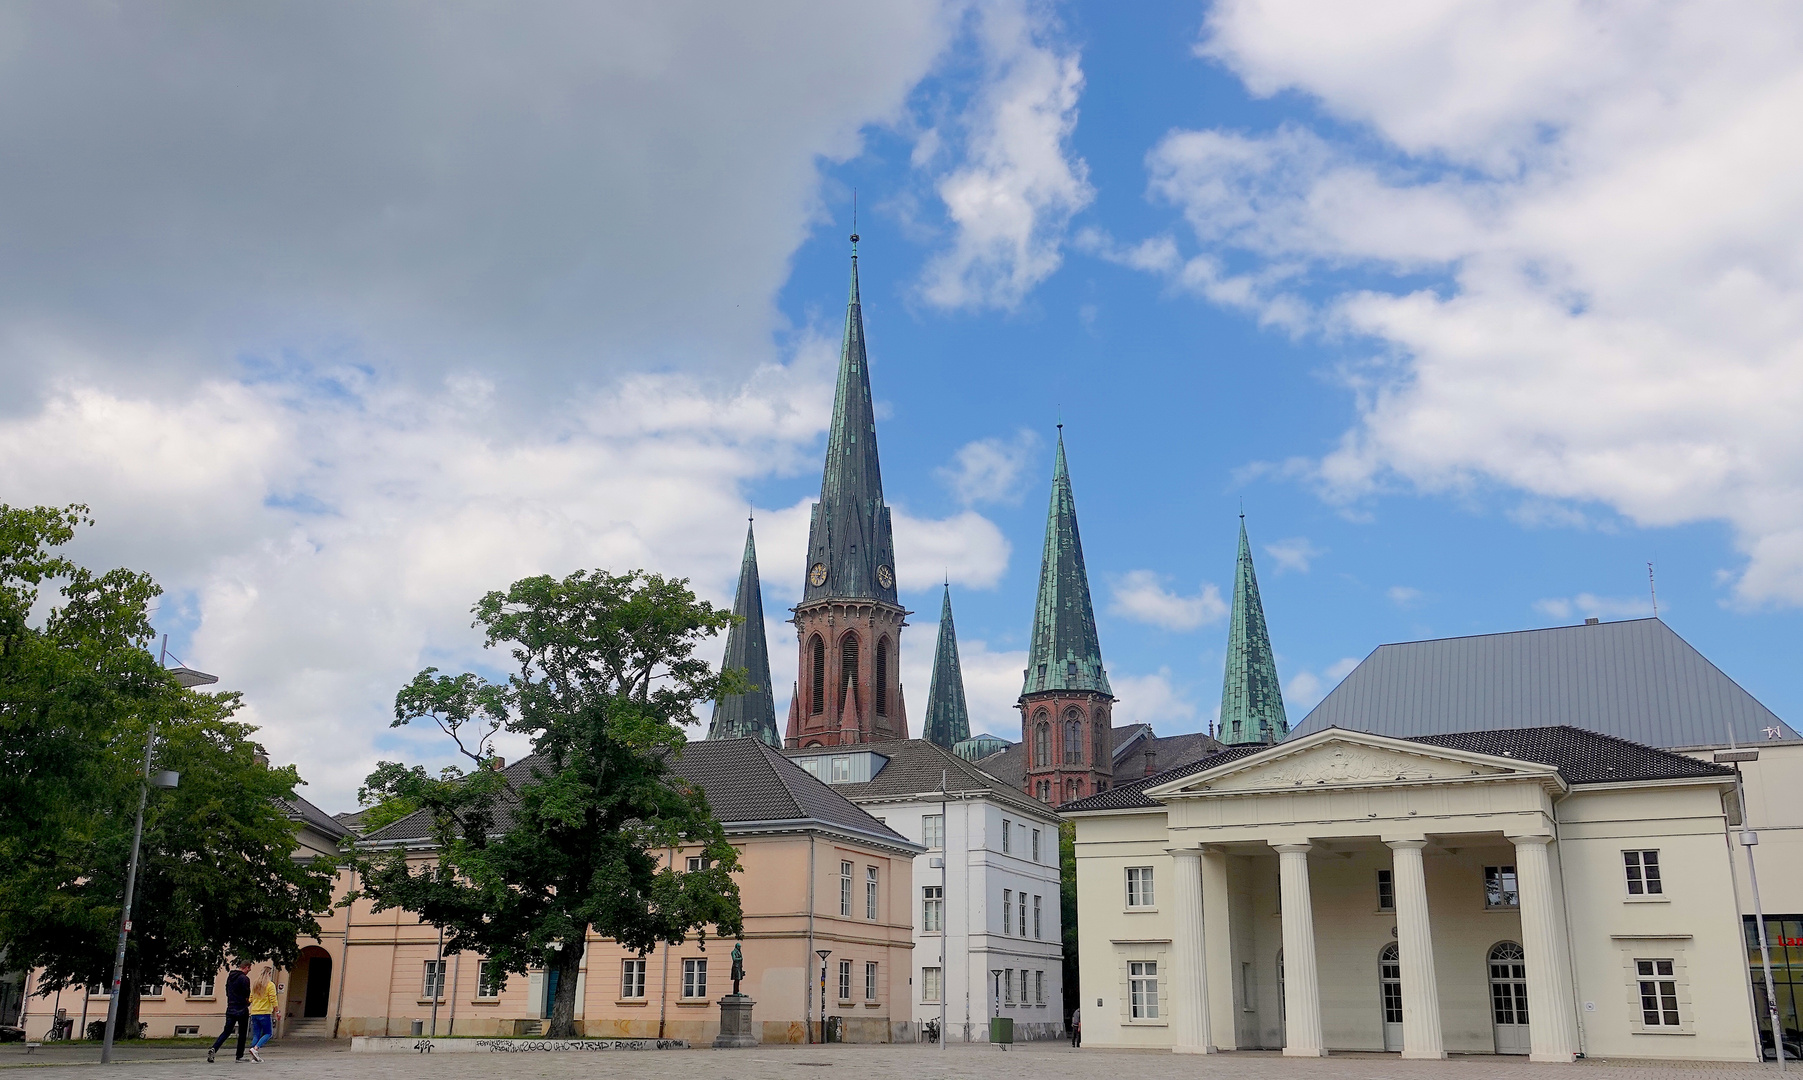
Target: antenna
x=1653 y=588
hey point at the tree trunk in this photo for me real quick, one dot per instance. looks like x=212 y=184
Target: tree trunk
x=125 y=1020
x=569 y=969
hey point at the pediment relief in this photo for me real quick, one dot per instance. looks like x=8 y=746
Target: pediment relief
x=1342 y=763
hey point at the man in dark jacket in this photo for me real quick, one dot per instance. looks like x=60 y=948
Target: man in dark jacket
x=237 y=1008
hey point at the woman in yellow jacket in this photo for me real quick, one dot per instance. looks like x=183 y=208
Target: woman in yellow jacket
x=262 y=1011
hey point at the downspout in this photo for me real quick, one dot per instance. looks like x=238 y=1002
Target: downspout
x=663 y=994
x=344 y=961
x=807 y=960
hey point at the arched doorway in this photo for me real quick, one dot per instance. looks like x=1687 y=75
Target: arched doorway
x=1389 y=985
x=1509 y=998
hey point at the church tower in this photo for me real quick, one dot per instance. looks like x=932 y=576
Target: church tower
x=849 y=621
x=751 y=715
x=947 y=721
x=1251 y=699
x=1065 y=701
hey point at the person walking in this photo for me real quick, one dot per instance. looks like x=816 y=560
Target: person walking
x=1076 y=1027
x=237 y=1009
x=262 y=1012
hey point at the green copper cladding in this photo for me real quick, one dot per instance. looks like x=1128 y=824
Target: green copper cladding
x=851 y=549
x=750 y=715
x=1066 y=652
x=948 y=719
x=1251 y=698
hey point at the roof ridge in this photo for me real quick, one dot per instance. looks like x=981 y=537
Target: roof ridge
x=1531 y=630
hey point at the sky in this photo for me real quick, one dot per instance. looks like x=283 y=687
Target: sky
x=339 y=316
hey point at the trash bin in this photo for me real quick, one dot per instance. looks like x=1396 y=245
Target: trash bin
x=835 y=1029
x=1001 y=1029
x=419 y=1028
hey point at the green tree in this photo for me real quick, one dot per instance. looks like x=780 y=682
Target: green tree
x=78 y=693
x=528 y=860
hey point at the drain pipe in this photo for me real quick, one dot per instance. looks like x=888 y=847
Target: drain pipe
x=807 y=961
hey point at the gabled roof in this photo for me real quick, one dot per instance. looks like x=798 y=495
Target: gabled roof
x=914 y=769
x=750 y=715
x=299 y=809
x=1251 y=697
x=1066 y=652
x=1636 y=679
x=1582 y=757
x=948 y=717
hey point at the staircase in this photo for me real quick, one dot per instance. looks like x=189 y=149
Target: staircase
x=312 y=1027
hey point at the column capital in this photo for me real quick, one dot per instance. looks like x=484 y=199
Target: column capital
x=1291 y=848
x=1406 y=844
x=1523 y=841
x=1181 y=852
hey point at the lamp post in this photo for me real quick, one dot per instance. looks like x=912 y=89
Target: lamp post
x=166 y=780
x=1748 y=840
x=823 y=954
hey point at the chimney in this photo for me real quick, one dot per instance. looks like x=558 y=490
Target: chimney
x=1151 y=756
x=497 y=763
x=1592 y=621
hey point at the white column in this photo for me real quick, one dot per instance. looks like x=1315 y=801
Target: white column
x=1551 y=1015
x=1421 y=1036
x=1190 y=1026
x=1301 y=981
x=1218 y=928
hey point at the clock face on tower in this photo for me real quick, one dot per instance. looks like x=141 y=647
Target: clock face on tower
x=885 y=577
x=817 y=575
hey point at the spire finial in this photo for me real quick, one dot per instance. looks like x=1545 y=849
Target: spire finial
x=854 y=223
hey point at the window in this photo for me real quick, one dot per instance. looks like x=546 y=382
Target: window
x=434 y=981
x=694 y=978
x=1038 y=918
x=932 y=984
x=869 y=981
x=839 y=769
x=818 y=702
x=488 y=978
x=848 y=666
x=932 y=908
x=1103 y=752
x=1073 y=789
x=845 y=980
x=1008 y=986
x=1039 y=988
x=1389 y=982
x=1658 y=993
x=1041 y=677
x=1023 y=933
x=1042 y=744
x=632 y=978
x=882 y=677
x=932 y=829
x=1142 y=990
x=1073 y=739
x=1042 y=790
x=1500 y=890
x=870 y=893
x=151 y=990
x=1007 y=909
x=845 y=889
x=1035 y=845
x=695 y=864
x=1386 y=890
x=186 y=1029
x=202 y=989
x=1070 y=669
x=1643 y=873
x=1007 y=832
x=1139 y=886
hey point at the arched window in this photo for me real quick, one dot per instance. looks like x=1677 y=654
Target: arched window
x=1073 y=737
x=1389 y=983
x=848 y=665
x=882 y=677
x=1104 y=749
x=817 y=681
x=1042 y=742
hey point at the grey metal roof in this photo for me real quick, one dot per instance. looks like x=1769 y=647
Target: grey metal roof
x=915 y=768
x=1635 y=679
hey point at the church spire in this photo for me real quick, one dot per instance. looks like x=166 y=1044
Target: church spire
x=851 y=550
x=1066 y=653
x=948 y=719
x=1251 y=699
x=751 y=714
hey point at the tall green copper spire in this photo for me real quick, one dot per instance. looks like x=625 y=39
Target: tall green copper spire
x=750 y=715
x=948 y=719
x=1066 y=653
x=1251 y=699
x=851 y=551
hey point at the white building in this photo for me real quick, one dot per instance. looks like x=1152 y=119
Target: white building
x=985 y=894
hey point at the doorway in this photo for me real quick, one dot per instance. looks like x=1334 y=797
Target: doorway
x=550 y=993
x=319 y=986
x=1389 y=985
x=1509 y=998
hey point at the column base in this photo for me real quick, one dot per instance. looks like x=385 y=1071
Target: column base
x=1303 y=1051
x=1553 y=1059
x=1192 y=1049
x=1424 y=1055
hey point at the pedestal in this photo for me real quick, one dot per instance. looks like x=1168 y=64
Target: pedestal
x=735 y=1022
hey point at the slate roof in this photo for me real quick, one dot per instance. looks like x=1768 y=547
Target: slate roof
x=746 y=781
x=750 y=715
x=299 y=809
x=1064 y=620
x=1635 y=679
x=948 y=717
x=1582 y=757
x=915 y=767
x=1251 y=696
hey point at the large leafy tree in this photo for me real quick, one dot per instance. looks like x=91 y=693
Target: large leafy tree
x=79 y=692
x=526 y=862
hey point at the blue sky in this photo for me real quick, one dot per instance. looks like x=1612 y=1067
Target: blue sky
x=1476 y=312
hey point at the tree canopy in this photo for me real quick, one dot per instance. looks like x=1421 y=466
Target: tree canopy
x=526 y=861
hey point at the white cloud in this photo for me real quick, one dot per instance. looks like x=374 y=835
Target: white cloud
x=1013 y=195
x=1592 y=606
x=1295 y=553
x=1404 y=596
x=1140 y=595
x=989 y=470
x=1306 y=688
x=1154 y=699
x=992 y=680
x=1616 y=208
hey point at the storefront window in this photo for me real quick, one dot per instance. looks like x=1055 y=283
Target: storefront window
x=1784 y=935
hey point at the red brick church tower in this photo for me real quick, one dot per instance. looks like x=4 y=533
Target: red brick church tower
x=849 y=621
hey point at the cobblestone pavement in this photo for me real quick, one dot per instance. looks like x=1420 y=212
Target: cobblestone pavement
x=1043 y=1061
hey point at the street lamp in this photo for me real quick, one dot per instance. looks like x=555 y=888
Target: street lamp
x=166 y=779
x=823 y=954
x=1749 y=839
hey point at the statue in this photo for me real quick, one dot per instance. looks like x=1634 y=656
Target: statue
x=735 y=1010
x=738 y=967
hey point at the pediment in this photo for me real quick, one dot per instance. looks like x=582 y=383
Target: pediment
x=1344 y=759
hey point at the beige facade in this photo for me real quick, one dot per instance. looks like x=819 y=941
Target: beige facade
x=1245 y=908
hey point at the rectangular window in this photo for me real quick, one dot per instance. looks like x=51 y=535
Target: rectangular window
x=1139 y=886
x=870 y=896
x=1658 y=993
x=932 y=984
x=1142 y=990
x=845 y=889
x=151 y=990
x=1023 y=931
x=488 y=979
x=1038 y=918
x=1008 y=986
x=869 y=981
x=1500 y=890
x=1643 y=873
x=694 y=864
x=203 y=989
x=1007 y=909
x=845 y=980
x=932 y=908
x=1007 y=833
x=1386 y=890
x=1039 y=988
x=932 y=829
x=694 y=978
x=632 y=978
x=1035 y=845
x=434 y=981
